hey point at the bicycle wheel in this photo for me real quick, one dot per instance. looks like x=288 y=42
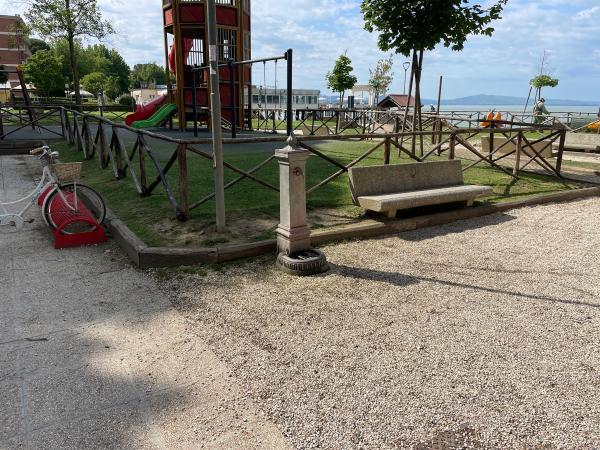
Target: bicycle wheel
x=72 y=200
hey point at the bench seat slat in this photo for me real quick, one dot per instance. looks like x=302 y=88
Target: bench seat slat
x=424 y=197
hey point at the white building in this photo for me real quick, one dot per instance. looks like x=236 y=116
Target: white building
x=145 y=95
x=271 y=98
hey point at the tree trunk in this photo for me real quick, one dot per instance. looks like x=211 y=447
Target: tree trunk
x=74 y=71
x=73 y=59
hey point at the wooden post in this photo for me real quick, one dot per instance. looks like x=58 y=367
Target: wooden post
x=518 y=154
x=561 y=149
x=387 y=150
x=184 y=204
x=215 y=110
x=103 y=150
x=62 y=122
x=142 y=158
x=452 y=149
x=69 y=130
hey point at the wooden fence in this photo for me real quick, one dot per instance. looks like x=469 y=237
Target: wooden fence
x=102 y=140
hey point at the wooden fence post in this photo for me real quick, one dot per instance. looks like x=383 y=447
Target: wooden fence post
x=561 y=149
x=63 y=127
x=142 y=158
x=387 y=151
x=183 y=182
x=452 y=146
x=517 y=167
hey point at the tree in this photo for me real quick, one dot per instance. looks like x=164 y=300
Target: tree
x=94 y=82
x=341 y=78
x=43 y=69
x=99 y=58
x=142 y=74
x=68 y=20
x=381 y=77
x=112 y=87
x=414 y=26
x=35 y=45
x=542 y=81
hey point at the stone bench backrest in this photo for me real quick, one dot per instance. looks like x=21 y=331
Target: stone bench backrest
x=393 y=179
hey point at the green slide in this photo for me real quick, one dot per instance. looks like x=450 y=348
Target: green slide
x=158 y=118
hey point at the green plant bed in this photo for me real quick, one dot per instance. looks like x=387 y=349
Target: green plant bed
x=252 y=210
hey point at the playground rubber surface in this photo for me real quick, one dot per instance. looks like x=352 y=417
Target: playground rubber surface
x=93 y=355
x=478 y=334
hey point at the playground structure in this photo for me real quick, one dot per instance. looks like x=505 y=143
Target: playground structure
x=186 y=46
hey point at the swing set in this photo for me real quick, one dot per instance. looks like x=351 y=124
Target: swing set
x=233 y=65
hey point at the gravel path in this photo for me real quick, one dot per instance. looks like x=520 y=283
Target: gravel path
x=484 y=333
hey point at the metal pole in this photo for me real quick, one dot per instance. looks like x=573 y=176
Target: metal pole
x=215 y=109
x=232 y=101
x=290 y=81
x=438 y=122
x=406 y=65
x=195 y=100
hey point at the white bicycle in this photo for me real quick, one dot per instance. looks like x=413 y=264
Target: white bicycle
x=59 y=194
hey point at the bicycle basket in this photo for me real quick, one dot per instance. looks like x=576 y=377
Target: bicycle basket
x=67 y=172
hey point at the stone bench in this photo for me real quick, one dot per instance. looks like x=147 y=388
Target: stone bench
x=387 y=189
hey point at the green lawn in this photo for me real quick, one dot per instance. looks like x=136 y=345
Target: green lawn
x=252 y=209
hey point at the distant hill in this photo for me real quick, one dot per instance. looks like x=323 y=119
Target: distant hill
x=489 y=100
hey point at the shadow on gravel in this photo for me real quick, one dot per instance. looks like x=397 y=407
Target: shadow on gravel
x=456 y=227
x=398 y=279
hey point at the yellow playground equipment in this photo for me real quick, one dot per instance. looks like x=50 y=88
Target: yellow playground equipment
x=487 y=123
x=594 y=126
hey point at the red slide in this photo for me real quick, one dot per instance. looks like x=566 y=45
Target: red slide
x=143 y=112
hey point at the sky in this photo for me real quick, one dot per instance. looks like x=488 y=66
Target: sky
x=320 y=30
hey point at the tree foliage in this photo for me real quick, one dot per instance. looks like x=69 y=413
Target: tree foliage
x=340 y=78
x=35 y=45
x=68 y=20
x=100 y=58
x=409 y=25
x=43 y=69
x=542 y=81
x=94 y=82
x=143 y=74
x=415 y=26
x=97 y=82
x=382 y=76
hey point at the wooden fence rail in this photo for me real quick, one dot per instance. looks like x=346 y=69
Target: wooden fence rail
x=101 y=140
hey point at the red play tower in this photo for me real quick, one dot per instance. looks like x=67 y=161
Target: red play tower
x=186 y=38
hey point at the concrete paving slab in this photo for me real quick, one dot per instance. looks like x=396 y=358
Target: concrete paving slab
x=121 y=427
x=74 y=392
x=91 y=351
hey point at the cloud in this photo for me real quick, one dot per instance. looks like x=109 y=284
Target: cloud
x=320 y=30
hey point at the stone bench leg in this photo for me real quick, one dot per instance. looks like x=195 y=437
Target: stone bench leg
x=469 y=203
x=391 y=214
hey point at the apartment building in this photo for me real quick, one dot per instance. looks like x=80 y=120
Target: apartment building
x=14 y=50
